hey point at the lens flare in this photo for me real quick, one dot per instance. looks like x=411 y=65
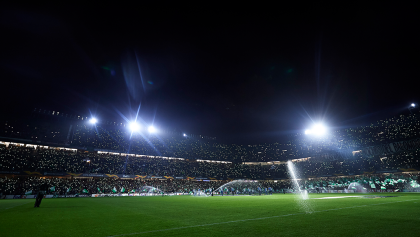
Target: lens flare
x=134 y=127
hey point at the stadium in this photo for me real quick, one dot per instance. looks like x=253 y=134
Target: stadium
x=205 y=120
x=115 y=181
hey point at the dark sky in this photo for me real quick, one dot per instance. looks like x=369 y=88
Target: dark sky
x=243 y=74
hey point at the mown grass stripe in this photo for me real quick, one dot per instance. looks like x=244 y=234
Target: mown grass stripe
x=252 y=219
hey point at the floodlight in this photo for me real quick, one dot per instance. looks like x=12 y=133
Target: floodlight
x=134 y=126
x=184 y=135
x=151 y=129
x=93 y=120
x=413 y=105
x=317 y=130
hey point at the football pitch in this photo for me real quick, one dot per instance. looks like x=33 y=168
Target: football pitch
x=271 y=215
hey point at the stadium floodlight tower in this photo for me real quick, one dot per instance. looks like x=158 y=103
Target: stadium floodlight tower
x=134 y=127
x=93 y=120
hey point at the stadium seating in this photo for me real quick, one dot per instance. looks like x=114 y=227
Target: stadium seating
x=90 y=139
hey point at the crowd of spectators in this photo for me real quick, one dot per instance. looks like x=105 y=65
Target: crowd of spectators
x=403 y=127
x=70 y=186
x=55 y=160
x=118 y=138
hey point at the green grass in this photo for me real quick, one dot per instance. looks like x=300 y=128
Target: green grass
x=276 y=215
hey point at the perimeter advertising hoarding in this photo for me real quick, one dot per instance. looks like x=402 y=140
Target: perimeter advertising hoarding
x=55 y=174
x=72 y=196
x=94 y=175
x=102 y=175
x=127 y=194
x=34 y=196
x=156 y=177
x=126 y=176
x=23 y=196
x=386 y=171
x=114 y=194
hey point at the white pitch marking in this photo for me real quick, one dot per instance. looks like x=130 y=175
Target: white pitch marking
x=336 y=197
x=16 y=205
x=254 y=219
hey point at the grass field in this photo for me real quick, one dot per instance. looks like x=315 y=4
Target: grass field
x=276 y=215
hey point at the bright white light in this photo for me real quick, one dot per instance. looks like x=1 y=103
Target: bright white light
x=93 y=120
x=317 y=130
x=134 y=126
x=413 y=105
x=152 y=129
x=185 y=135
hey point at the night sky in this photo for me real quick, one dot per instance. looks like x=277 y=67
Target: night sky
x=242 y=74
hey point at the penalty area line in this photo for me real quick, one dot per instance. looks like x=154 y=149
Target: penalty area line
x=252 y=219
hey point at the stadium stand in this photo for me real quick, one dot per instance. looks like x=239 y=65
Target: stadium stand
x=62 y=148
